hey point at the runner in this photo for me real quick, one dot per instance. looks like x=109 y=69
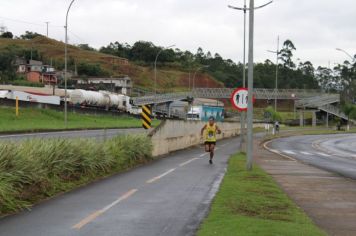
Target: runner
x=210 y=137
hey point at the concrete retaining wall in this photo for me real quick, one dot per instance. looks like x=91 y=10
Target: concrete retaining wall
x=174 y=135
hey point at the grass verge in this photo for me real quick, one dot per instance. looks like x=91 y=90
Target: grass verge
x=37 y=169
x=31 y=120
x=251 y=203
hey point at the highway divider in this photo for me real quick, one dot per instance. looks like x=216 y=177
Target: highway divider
x=173 y=135
x=33 y=170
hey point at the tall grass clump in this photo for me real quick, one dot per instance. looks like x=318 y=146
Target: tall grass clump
x=40 y=168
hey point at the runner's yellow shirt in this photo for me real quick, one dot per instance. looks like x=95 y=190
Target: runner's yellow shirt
x=210 y=133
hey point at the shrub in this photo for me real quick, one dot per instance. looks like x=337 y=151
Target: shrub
x=38 y=168
x=275 y=116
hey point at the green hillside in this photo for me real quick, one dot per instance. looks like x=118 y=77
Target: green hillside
x=169 y=77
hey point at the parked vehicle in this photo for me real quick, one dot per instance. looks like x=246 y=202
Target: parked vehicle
x=203 y=113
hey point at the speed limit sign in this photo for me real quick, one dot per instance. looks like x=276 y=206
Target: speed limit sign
x=239 y=99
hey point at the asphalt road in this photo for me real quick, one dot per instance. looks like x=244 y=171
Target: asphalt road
x=335 y=153
x=167 y=197
x=99 y=134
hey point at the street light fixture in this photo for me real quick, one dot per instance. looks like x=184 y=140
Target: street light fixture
x=159 y=52
x=195 y=73
x=242 y=121
x=65 y=67
x=348 y=54
x=277 y=58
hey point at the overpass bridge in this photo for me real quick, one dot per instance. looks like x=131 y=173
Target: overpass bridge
x=305 y=99
x=225 y=93
x=326 y=103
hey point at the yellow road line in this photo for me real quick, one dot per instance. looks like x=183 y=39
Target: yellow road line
x=96 y=214
x=160 y=176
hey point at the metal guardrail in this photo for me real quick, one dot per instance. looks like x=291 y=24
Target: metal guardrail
x=259 y=93
x=336 y=111
x=161 y=98
x=318 y=101
x=225 y=93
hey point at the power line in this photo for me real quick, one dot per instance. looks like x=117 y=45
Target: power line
x=81 y=39
x=26 y=22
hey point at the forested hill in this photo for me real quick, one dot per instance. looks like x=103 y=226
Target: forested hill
x=230 y=73
x=174 y=65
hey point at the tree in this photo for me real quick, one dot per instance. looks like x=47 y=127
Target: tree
x=144 y=51
x=86 y=47
x=86 y=69
x=349 y=110
x=7 y=69
x=7 y=34
x=347 y=76
x=286 y=54
x=30 y=35
x=327 y=80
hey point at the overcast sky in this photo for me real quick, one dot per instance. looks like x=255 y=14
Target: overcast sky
x=316 y=27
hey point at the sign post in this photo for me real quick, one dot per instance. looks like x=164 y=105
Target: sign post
x=240 y=100
x=17 y=106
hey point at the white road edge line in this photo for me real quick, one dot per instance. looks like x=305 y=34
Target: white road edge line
x=96 y=214
x=289 y=152
x=323 y=154
x=204 y=154
x=160 y=176
x=277 y=152
x=306 y=153
x=187 y=162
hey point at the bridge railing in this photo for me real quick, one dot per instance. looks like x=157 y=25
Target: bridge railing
x=259 y=93
x=315 y=102
x=225 y=93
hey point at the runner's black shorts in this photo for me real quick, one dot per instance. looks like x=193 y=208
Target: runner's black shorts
x=209 y=143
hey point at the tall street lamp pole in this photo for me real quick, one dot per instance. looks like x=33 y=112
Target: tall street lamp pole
x=276 y=88
x=348 y=54
x=65 y=67
x=195 y=73
x=243 y=114
x=159 y=53
x=250 y=89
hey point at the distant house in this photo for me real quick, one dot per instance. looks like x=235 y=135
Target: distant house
x=21 y=64
x=36 y=72
x=121 y=85
x=42 y=77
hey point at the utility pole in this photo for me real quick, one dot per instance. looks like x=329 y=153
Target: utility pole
x=277 y=57
x=250 y=88
x=47 y=22
x=65 y=68
x=243 y=114
x=277 y=52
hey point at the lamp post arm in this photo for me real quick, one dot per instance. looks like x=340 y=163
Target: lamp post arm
x=247 y=9
x=70 y=5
